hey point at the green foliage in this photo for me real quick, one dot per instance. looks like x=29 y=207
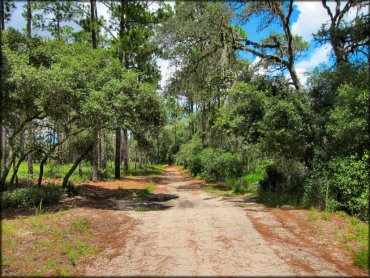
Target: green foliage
x=286 y=176
x=248 y=184
x=349 y=185
x=30 y=196
x=188 y=155
x=211 y=164
x=348 y=120
x=217 y=165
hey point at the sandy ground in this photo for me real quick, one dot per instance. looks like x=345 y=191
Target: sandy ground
x=200 y=234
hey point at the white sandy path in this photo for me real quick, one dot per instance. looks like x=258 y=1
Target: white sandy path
x=200 y=235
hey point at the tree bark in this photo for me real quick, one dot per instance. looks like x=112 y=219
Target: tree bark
x=94 y=161
x=74 y=166
x=41 y=172
x=2 y=148
x=103 y=150
x=2 y=15
x=6 y=170
x=30 y=156
x=80 y=169
x=117 y=161
x=29 y=19
x=16 y=168
x=125 y=150
x=93 y=14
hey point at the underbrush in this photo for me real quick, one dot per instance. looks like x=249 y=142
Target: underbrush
x=32 y=196
x=148 y=170
x=54 y=171
x=277 y=199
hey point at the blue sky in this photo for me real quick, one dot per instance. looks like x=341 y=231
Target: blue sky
x=306 y=19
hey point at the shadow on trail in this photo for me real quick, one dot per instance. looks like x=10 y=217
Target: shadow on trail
x=92 y=196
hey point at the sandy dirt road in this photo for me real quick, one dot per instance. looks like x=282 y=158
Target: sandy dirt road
x=199 y=234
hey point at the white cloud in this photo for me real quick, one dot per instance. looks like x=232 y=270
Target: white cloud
x=311 y=16
x=320 y=55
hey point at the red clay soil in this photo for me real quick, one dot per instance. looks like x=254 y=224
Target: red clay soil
x=289 y=231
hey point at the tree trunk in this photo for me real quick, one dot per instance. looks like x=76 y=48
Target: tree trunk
x=295 y=78
x=41 y=173
x=60 y=147
x=30 y=156
x=80 y=169
x=16 y=166
x=93 y=14
x=125 y=150
x=203 y=124
x=117 y=161
x=30 y=164
x=140 y=160
x=29 y=19
x=103 y=150
x=2 y=15
x=94 y=161
x=6 y=170
x=74 y=166
x=2 y=149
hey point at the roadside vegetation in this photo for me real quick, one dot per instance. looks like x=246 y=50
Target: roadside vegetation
x=86 y=105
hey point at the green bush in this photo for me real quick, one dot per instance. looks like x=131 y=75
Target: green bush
x=31 y=196
x=285 y=176
x=218 y=165
x=316 y=188
x=212 y=164
x=248 y=183
x=349 y=185
x=188 y=155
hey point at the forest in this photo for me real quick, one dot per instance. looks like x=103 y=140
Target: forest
x=82 y=102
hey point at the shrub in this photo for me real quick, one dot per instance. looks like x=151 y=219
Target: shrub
x=286 y=176
x=218 y=165
x=31 y=196
x=248 y=183
x=349 y=185
x=316 y=189
x=188 y=155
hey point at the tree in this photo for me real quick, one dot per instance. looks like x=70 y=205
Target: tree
x=279 y=49
x=51 y=15
x=134 y=23
x=346 y=37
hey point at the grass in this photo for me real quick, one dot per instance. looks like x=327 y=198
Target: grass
x=352 y=232
x=54 y=171
x=142 y=209
x=143 y=193
x=219 y=189
x=46 y=244
x=277 y=199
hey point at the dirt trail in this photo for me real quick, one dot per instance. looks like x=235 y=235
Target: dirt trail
x=200 y=234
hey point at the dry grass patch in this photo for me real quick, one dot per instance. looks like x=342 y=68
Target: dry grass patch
x=57 y=244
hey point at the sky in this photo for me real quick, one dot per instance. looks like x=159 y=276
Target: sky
x=307 y=17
